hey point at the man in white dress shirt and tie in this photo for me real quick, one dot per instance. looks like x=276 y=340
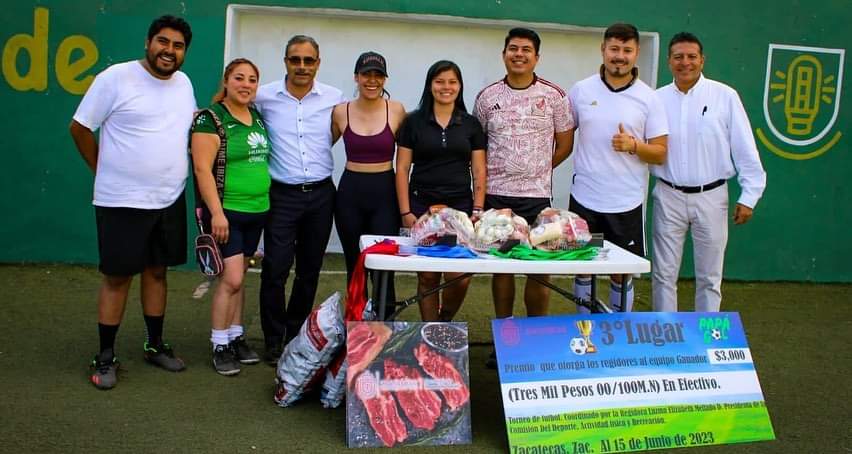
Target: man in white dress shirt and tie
x=710 y=141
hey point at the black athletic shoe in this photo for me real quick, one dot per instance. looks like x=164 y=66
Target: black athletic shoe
x=242 y=352
x=491 y=363
x=224 y=361
x=163 y=356
x=104 y=372
x=272 y=354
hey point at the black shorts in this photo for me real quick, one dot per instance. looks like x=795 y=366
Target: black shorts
x=525 y=207
x=244 y=230
x=625 y=230
x=418 y=204
x=132 y=239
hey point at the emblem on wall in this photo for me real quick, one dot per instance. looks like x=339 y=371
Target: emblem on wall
x=801 y=100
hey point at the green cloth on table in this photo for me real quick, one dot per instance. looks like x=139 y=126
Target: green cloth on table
x=522 y=252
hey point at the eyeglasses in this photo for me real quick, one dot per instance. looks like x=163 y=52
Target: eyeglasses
x=307 y=61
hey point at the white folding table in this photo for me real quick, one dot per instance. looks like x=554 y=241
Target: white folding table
x=616 y=261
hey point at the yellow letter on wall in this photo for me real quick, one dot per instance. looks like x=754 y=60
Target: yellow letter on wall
x=36 y=47
x=68 y=71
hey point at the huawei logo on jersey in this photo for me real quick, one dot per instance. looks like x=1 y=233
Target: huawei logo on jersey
x=256 y=140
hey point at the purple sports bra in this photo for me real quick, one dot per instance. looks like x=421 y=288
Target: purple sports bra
x=369 y=149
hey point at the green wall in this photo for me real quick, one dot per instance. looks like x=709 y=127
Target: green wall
x=798 y=232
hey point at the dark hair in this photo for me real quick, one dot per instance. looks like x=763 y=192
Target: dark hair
x=175 y=23
x=299 y=39
x=622 y=32
x=220 y=95
x=427 y=100
x=685 y=37
x=520 y=32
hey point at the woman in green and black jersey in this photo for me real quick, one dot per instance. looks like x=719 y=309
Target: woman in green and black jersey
x=236 y=220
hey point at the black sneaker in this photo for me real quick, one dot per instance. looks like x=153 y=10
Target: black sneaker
x=242 y=352
x=103 y=372
x=491 y=363
x=273 y=353
x=163 y=356
x=224 y=361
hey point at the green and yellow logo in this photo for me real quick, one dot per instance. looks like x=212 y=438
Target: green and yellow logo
x=801 y=100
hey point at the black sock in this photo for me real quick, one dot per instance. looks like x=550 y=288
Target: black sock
x=154 y=327
x=107 y=333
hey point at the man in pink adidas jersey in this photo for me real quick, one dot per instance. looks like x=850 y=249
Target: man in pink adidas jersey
x=528 y=122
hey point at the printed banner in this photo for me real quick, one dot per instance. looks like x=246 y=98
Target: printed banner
x=407 y=384
x=628 y=382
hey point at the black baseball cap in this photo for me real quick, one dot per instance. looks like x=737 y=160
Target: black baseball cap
x=371 y=61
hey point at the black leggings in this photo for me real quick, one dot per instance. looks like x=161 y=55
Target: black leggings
x=366 y=205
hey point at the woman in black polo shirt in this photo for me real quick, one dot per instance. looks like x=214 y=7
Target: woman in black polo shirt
x=445 y=145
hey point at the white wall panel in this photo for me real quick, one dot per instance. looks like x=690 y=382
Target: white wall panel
x=411 y=43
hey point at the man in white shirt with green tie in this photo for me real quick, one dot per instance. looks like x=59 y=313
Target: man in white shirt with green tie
x=710 y=141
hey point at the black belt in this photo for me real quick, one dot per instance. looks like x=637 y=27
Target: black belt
x=695 y=189
x=304 y=187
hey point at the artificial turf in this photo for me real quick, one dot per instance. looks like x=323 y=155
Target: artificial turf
x=800 y=337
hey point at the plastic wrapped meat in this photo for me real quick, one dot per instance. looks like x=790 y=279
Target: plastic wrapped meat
x=495 y=227
x=442 y=221
x=559 y=230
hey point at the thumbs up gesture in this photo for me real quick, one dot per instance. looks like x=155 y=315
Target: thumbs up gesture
x=623 y=142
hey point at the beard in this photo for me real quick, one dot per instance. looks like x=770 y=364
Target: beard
x=618 y=71
x=153 y=61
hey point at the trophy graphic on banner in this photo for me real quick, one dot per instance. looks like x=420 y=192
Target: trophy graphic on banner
x=585 y=328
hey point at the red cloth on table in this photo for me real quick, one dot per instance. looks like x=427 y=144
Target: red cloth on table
x=356 y=299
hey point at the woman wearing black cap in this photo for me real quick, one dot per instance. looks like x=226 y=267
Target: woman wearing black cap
x=445 y=145
x=366 y=196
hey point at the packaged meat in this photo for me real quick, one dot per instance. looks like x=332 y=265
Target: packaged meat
x=306 y=357
x=495 y=227
x=441 y=221
x=556 y=229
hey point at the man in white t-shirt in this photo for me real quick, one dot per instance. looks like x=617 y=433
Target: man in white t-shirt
x=710 y=142
x=143 y=109
x=527 y=120
x=621 y=128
